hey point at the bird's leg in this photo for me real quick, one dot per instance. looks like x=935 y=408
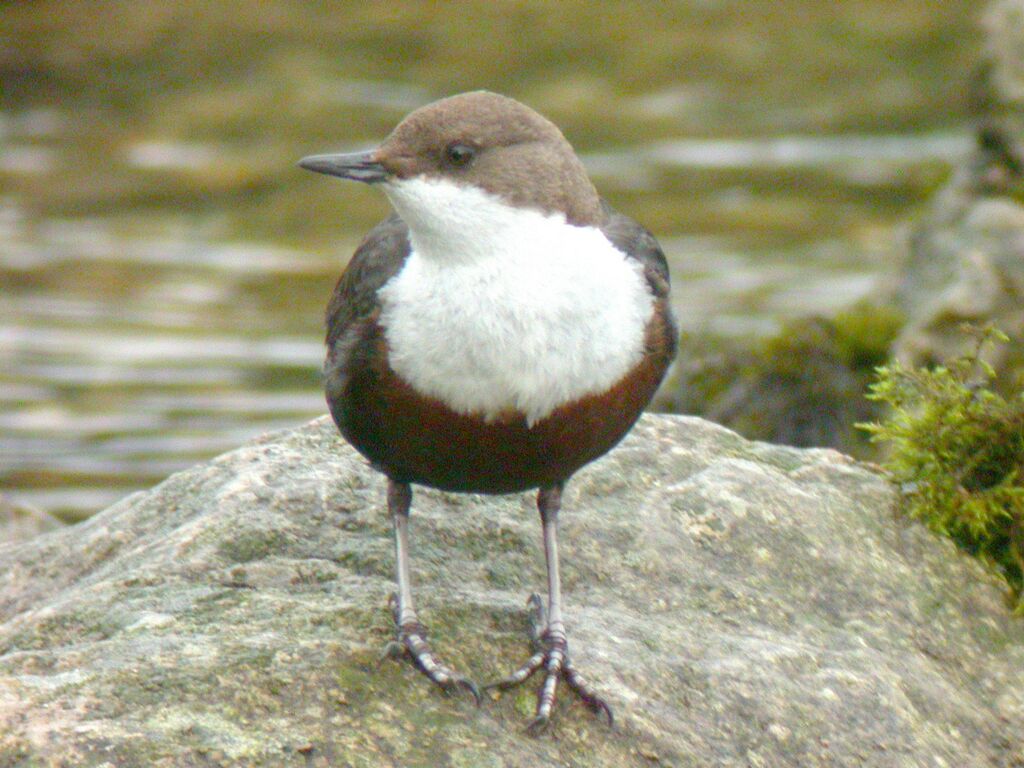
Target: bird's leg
x=548 y=630
x=412 y=636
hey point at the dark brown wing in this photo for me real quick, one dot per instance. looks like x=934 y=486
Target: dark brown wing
x=377 y=259
x=639 y=244
x=352 y=311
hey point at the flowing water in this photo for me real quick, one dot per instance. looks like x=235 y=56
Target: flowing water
x=164 y=266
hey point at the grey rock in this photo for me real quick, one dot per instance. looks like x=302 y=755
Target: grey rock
x=20 y=522
x=966 y=256
x=966 y=266
x=740 y=604
x=1002 y=72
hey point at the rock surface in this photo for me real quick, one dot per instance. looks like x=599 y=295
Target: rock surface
x=20 y=522
x=740 y=604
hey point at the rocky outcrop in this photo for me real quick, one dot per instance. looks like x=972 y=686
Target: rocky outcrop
x=739 y=604
x=966 y=261
x=20 y=522
x=963 y=263
x=806 y=386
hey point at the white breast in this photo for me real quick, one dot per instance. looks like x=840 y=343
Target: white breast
x=501 y=308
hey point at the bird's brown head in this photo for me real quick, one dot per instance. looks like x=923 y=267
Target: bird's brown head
x=484 y=140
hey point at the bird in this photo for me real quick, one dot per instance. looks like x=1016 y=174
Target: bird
x=501 y=329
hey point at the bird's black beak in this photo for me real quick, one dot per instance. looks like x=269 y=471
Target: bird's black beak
x=358 y=166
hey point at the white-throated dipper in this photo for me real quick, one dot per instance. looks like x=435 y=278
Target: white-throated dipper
x=502 y=329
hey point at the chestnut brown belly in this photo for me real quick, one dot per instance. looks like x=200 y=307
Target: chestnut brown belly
x=417 y=439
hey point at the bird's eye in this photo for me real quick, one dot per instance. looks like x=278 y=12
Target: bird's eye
x=459 y=155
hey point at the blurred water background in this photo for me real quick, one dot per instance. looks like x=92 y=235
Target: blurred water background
x=164 y=265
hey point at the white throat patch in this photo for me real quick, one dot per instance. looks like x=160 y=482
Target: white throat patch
x=501 y=308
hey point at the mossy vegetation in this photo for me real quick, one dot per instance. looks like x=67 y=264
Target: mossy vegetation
x=956 y=447
x=803 y=386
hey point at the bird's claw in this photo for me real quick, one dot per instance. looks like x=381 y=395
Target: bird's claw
x=471 y=687
x=538 y=619
x=551 y=655
x=393 y=650
x=582 y=688
x=411 y=640
x=538 y=725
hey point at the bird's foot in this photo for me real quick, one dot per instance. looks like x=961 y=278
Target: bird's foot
x=411 y=640
x=551 y=655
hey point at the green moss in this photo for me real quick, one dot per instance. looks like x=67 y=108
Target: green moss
x=62 y=629
x=956 y=447
x=504 y=575
x=525 y=702
x=865 y=332
x=251 y=545
x=803 y=386
x=367 y=560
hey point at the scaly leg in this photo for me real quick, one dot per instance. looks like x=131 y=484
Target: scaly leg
x=412 y=636
x=548 y=630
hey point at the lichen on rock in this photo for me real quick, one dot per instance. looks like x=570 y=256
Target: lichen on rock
x=738 y=603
